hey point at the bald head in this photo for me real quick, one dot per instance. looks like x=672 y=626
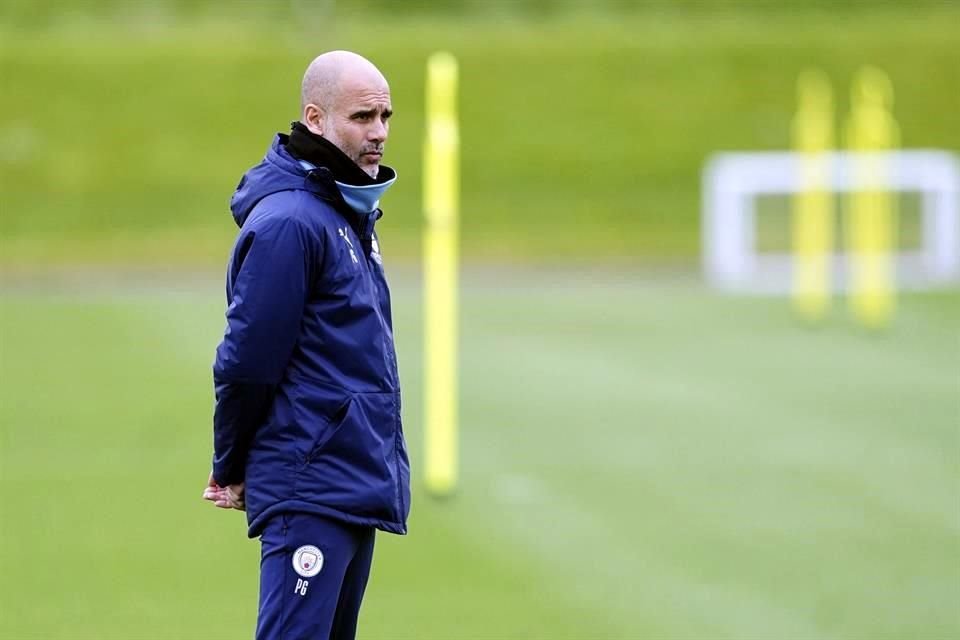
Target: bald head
x=323 y=78
x=346 y=99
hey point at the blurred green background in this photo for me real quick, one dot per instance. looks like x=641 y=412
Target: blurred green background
x=642 y=458
x=125 y=129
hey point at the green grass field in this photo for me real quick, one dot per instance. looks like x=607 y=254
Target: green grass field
x=641 y=459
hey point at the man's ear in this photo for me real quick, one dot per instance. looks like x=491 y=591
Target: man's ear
x=313 y=118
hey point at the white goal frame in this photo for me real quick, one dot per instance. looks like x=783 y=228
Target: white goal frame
x=733 y=181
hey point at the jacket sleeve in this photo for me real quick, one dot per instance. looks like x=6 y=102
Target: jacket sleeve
x=267 y=290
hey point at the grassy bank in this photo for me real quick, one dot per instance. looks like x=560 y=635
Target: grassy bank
x=121 y=139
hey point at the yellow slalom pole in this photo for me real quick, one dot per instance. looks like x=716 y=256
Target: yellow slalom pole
x=441 y=177
x=871 y=222
x=812 y=218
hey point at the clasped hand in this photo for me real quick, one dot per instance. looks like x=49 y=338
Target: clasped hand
x=228 y=497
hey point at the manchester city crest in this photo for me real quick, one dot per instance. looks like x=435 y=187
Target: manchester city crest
x=307 y=561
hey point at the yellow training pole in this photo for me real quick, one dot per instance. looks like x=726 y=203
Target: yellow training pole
x=871 y=222
x=812 y=219
x=441 y=177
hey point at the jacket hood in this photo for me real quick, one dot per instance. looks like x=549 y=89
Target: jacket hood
x=278 y=171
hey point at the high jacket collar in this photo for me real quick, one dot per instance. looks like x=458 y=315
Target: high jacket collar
x=303 y=144
x=280 y=171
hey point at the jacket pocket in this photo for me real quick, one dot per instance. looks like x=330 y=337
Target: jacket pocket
x=356 y=465
x=329 y=425
x=318 y=414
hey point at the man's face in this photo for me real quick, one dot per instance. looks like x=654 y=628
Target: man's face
x=358 y=121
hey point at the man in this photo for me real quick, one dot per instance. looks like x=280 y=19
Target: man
x=307 y=434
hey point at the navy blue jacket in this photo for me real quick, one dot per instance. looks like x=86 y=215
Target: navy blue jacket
x=308 y=396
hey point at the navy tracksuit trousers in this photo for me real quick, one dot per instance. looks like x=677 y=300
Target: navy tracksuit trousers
x=313 y=572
